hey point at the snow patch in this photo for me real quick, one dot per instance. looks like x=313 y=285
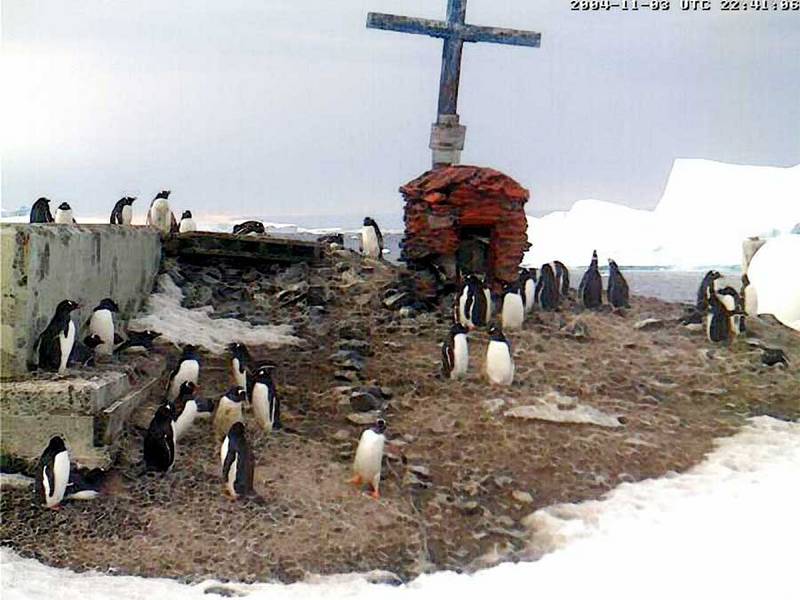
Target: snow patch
x=557 y=408
x=180 y=325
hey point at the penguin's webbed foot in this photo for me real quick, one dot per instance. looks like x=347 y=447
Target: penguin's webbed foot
x=375 y=494
x=356 y=480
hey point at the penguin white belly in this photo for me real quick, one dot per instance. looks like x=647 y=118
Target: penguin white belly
x=369 y=242
x=369 y=455
x=102 y=325
x=530 y=293
x=185 y=420
x=727 y=301
x=187 y=226
x=127 y=215
x=750 y=300
x=463 y=318
x=240 y=377
x=65 y=343
x=513 y=311
x=231 y=479
x=160 y=215
x=63 y=217
x=499 y=364
x=227 y=414
x=261 y=406
x=188 y=371
x=60 y=480
x=488 y=295
x=460 y=356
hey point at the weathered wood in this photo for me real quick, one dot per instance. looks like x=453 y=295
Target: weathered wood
x=247 y=248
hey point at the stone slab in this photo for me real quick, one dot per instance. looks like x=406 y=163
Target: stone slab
x=259 y=248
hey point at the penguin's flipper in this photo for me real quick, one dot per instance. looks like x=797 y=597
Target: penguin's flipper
x=118 y=339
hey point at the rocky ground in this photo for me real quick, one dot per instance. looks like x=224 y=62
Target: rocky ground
x=460 y=474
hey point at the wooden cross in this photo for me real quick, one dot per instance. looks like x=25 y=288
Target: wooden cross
x=447 y=136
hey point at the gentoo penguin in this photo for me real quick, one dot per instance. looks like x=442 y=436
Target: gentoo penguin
x=122 y=213
x=56 y=341
x=369 y=456
x=64 y=214
x=138 y=339
x=40 y=211
x=455 y=353
x=237 y=462
x=749 y=296
x=264 y=398
x=546 y=289
x=240 y=364
x=52 y=473
x=188 y=369
x=474 y=306
x=187 y=223
x=189 y=407
x=617 y=286
x=513 y=313
x=590 y=290
x=160 y=215
x=249 y=228
x=229 y=410
x=371 y=238
x=732 y=301
x=527 y=285
x=159 y=441
x=101 y=324
x=561 y=274
x=499 y=362
x=702 y=291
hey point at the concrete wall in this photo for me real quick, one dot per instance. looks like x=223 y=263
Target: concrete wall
x=43 y=264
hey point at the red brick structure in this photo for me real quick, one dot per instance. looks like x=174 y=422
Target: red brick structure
x=465 y=216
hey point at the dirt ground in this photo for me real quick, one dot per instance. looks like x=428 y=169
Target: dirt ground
x=459 y=476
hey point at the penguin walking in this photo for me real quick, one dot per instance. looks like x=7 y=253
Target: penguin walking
x=52 y=473
x=264 y=398
x=188 y=369
x=369 y=456
x=57 y=340
x=160 y=214
x=546 y=292
x=702 y=292
x=187 y=224
x=40 y=211
x=138 y=339
x=122 y=213
x=64 y=214
x=527 y=286
x=237 y=461
x=240 y=364
x=101 y=324
x=371 y=238
x=455 y=353
x=617 y=290
x=188 y=408
x=590 y=290
x=159 y=441
x=229 y=410
x=513 y=314
x=499 y=362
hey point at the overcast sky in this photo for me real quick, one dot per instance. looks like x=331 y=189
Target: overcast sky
x=293 y=107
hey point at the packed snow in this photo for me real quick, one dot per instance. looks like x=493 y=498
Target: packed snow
x=708 y=208
x=727 y=528
x=777 y=292
x=557 y=408
x=164 y=313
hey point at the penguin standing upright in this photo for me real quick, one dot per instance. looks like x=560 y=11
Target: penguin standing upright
x=546 y=289
x=40 y=211
x=590 y=290
x=733 y=303
x=455 y=353
x=513 y=314
x=371 y=238
x=238 y=466
x=188 y=369
x=617 y=287
x=187 y=224
x=159 y=441
x=718 y=318
x=229 y=410
x=499 y=362
x=64 y=214
x=369 y=456
x=101 y=324
x=477 y=306
x=56 y=341
x=702 y=292
x=160 y=215
x=122 y=213
x=188 y=407
x=52 y=473
x=264 y=398
x=240 y=364
x=527 y=285
x=561 y=274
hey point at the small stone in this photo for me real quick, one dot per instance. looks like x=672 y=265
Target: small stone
x=505 y=521
x=364 y=401
x=503 y=480
x=221 y=590
x=470 y=507
x=342 y=434
x=363 y=418
x=521 y=496
x=407 y=312
x=411 y=480
x=345 y=376
x=420 y=470
x=398 y=300
x=649 y=324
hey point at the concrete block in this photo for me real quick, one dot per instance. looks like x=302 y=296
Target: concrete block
x=43 y=264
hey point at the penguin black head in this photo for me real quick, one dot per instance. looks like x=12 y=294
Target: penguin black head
x=187 y=214
x=264 y=373
x=369 y=221
x=379 y=427
x=187 y=390
x=129 y=200
x=236 y=430
x=107 y=304
x=457 y=328
x=496 y=334
x=163 y=194
x=236 y=394
x=510 y=288
x=164 y=414
x=64 y=206
x=56 y=445
x=238 y=350
x=66 y=306
x=189 y=352
x=93 y=341
x=612 y=264
x=152 y=334
x=714 y=275
x=43 y=200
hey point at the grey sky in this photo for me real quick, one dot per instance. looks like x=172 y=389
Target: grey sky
x=286 y=107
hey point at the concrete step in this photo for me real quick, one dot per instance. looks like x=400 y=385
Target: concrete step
x=258 y=249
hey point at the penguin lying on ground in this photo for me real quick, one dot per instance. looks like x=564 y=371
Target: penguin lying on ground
x=188 y=369
x=187 y=224
x=159 y=441
x=64 y=214
x=122 y=213
x=249 y=228
x=590 y=290
x=371 y=238
x=617 y=287
x=499 y=361
x=527 y=285
x=369 y=456
x=101 y=324
x=188 y=407
x=546 y=291
x=455 y=353
x=160 y=215
x=237 y=461
x=264 y=399
x=513 y=313
x=138 y=339
x=240 y=364
x=40 y=211
x=229 y=410
x=56 y=341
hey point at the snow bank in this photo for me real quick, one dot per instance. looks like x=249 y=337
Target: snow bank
x=774 y=272
x=727 y=528
x=180 y=325
x=556 y=408
x=707 y=209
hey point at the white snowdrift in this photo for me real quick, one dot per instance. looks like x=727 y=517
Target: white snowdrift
x=727 y=528
x=707 y=209
x=180 y=325
x=775 y=274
